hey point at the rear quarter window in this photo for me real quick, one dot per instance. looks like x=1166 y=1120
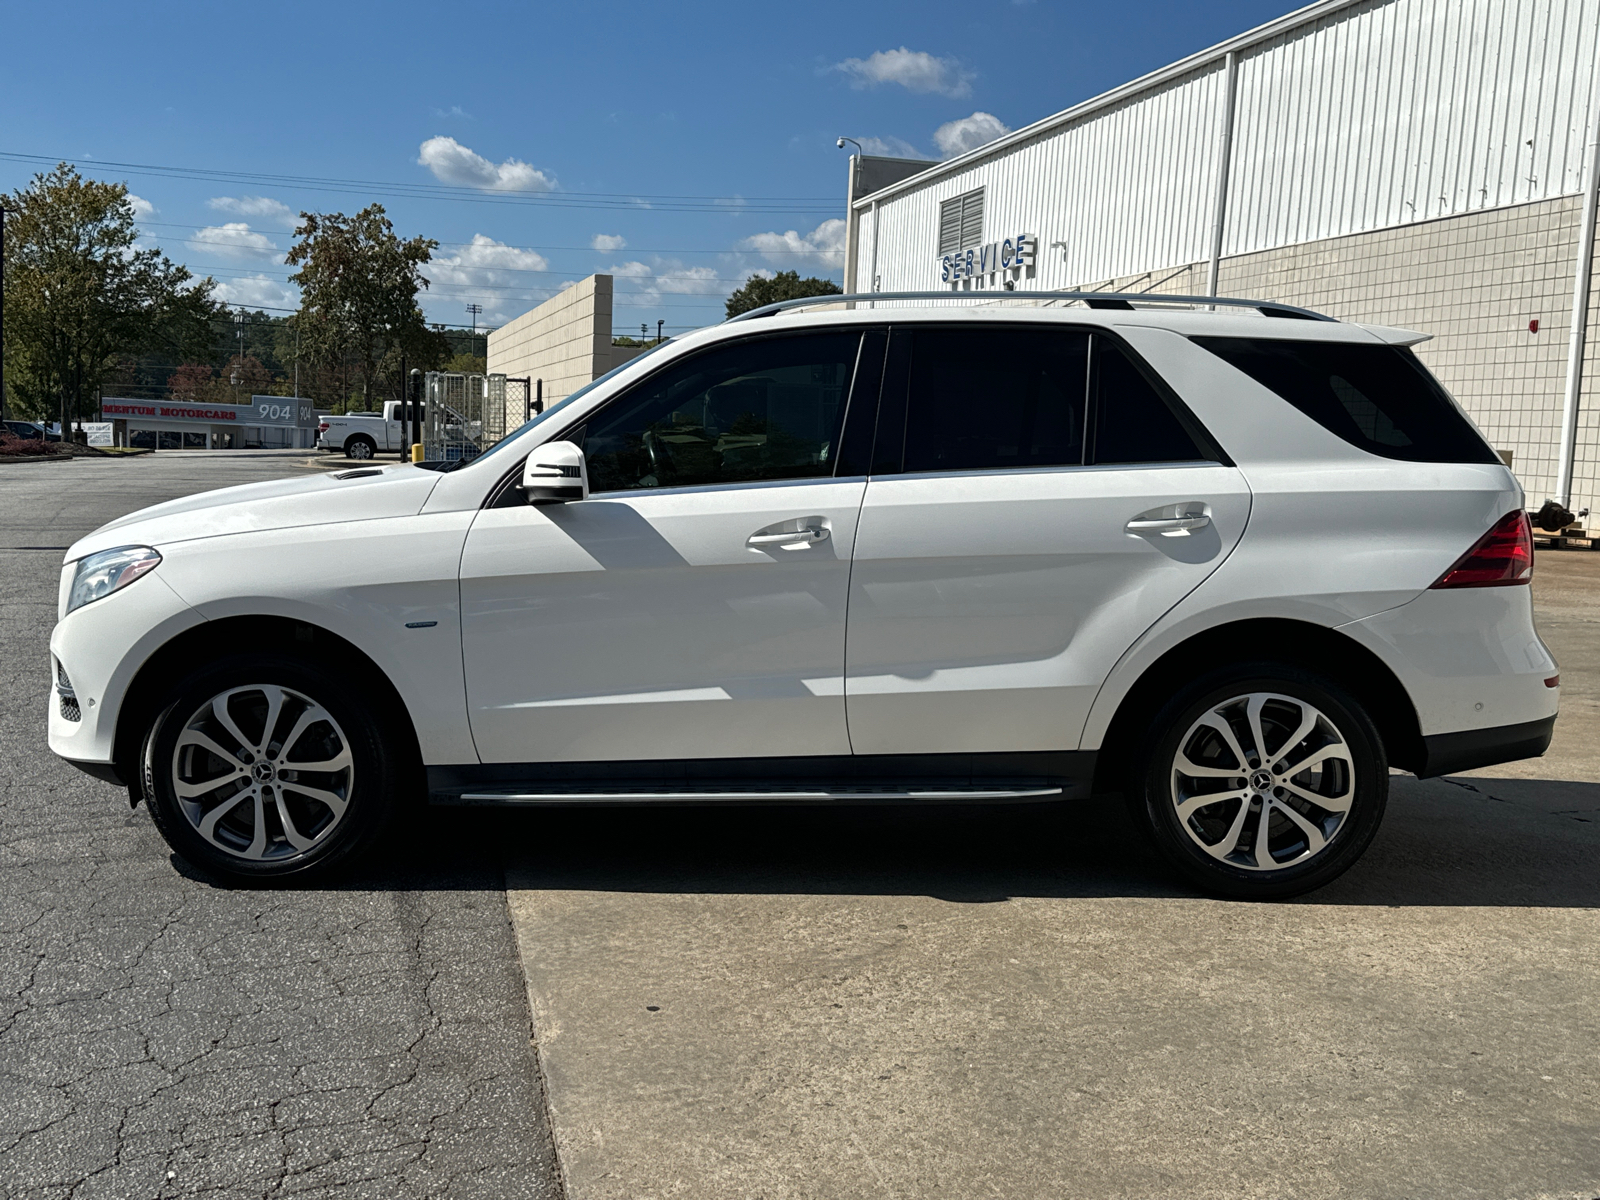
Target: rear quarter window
x=1379 y=398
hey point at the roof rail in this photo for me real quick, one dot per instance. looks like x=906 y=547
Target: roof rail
x=1122 y=300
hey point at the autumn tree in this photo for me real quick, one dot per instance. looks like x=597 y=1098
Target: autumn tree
x=189 y=382
x=358 y=294
x=758 y=290
x=81 y=296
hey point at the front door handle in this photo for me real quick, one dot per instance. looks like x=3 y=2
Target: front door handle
x=792 y=537
x=1170 y=526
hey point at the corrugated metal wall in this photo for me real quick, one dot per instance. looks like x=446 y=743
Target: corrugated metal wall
x=1374 y=115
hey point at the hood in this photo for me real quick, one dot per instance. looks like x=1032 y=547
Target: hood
x=362 y=494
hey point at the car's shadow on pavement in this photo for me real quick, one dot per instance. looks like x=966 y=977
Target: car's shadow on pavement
x=1516 y=843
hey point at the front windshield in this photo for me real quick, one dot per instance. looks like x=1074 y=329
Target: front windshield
x=555 y=408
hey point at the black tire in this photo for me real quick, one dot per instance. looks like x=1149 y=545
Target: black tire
x=361 y=447
x=1353 y=778
x=299 y=836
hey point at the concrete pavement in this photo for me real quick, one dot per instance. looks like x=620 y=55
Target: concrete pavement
x=1023 y=1003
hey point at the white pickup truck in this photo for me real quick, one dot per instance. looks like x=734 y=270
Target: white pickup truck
x=362 y=435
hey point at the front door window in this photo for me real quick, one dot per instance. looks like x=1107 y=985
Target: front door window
x=765 y=409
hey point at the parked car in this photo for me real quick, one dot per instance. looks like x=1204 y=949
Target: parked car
x=364 y=435
x=1232 y=565
x=32 y=431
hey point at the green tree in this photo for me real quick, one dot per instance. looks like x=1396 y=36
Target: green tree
x=358 y=294
x=81 y=297
x=785 y=285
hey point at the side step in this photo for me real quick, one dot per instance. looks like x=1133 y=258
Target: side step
x=922 y=791
x=960 y=778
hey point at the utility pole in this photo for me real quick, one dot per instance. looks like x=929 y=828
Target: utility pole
x=405 y=403
x=475 y=309
x=644 y=333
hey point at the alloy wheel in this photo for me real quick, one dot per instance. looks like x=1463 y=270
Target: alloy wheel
x=262 y=772
x=1262 y=781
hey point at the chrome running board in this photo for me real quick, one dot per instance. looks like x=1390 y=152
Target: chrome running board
x=745 y=795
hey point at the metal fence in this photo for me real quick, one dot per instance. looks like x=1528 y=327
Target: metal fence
x=463 y=416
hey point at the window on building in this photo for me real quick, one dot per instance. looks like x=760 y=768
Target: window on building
x=1133 y=423
x=765 y=408
x=961 y=222
x=1380 y=398
x=995 y=398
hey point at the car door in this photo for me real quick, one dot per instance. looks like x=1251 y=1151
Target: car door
x=1038 y=498
x=694 y=605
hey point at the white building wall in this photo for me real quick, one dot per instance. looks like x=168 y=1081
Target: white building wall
x=1408 y=162
x=1394 y=111
x=1354 y=117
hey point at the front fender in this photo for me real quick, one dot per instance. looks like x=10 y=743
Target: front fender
x=389 y=587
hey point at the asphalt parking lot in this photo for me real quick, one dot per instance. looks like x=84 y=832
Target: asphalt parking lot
x=166 y=1037
x=789 y=1003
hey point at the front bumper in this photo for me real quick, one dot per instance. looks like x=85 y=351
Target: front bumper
x=100 y=648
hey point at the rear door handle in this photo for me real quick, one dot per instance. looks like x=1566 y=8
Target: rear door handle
x=1168 y=525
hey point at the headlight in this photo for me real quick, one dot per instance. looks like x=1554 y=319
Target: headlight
x=101 y=574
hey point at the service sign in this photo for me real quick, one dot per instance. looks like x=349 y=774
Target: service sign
x=1009 y=254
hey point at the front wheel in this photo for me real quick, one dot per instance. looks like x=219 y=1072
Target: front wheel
x=263 y=768
x=1261 y=781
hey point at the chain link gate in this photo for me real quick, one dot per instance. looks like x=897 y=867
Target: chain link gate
x=463 y=415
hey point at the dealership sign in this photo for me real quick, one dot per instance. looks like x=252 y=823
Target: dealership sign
x=262 y=410
x=1006 y=255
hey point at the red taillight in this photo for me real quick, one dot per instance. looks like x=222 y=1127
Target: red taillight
x=1502 y=556
x=322 y=428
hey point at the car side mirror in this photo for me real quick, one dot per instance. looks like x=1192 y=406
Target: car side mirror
x=555 y=472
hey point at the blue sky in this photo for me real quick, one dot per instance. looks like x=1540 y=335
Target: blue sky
x=566 y=135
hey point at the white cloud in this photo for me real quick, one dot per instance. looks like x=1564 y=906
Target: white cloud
x=646 y=284
x=234 y=240
x=257 y=291
x=957 y=137
x=252 y=206
x=891 y=147
x=914 y=70
x=608 y=241
x=451 y=162
x=822 y=247
x=142 y=208
x=486 y=261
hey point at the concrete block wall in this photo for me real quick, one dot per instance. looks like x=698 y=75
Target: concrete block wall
x=566 y=341
x=1474 y=282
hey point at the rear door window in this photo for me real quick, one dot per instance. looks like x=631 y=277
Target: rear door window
x=1380 y=398
x=995 y=398
x=980 y=397
x=1133 y=423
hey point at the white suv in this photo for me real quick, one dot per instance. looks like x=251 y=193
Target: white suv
x=1234 y=564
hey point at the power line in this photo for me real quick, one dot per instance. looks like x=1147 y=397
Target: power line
x=515 y=196
x=503 y=245
x=218 y=267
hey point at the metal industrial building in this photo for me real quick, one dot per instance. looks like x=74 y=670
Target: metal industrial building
x=1431 y=164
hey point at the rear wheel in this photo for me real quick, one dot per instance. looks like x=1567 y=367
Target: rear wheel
x=360 y=446
x=265 y=768
x=1261 y=781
